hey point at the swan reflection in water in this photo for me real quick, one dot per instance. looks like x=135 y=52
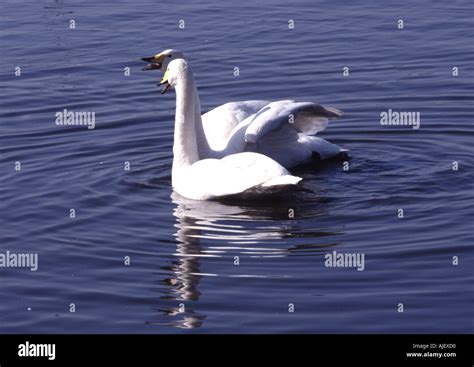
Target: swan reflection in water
x=208 y=231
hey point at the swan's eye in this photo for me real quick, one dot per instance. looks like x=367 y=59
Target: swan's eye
x=170 y=55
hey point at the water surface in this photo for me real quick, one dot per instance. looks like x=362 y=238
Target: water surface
x=182 y=275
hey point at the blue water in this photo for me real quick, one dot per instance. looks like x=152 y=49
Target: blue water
x=181 y=275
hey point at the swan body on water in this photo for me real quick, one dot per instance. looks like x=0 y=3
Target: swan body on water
x=282 y=130
x=239 y=174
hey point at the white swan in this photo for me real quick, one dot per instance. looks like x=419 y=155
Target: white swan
x=240 y=174
x=282 y=130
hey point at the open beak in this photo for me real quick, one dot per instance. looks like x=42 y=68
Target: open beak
x=155 y=62
x=166 y=82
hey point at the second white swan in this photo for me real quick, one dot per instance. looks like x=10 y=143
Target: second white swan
x=282 y=130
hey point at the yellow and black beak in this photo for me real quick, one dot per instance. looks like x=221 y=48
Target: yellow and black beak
x=165 y=81
x=155 y=62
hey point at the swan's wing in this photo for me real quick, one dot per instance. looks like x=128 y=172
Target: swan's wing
x=305 y=117
x=219 y=122
x=290 y=148
x=232 y=175
x=283 y=146
x=251 y=172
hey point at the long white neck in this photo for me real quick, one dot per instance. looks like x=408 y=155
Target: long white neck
x=204 y=150
x=185 y=151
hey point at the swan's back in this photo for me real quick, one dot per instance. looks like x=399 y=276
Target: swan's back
x=236 y=174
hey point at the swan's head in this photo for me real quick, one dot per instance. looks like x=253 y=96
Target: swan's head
x=177 y=72
x=161 y=60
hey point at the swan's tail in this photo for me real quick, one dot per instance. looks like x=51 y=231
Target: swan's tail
x=286 y=180
x=323 y=148
x=274 y=186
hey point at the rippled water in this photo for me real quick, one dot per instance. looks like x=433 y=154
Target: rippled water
x=182 y=273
